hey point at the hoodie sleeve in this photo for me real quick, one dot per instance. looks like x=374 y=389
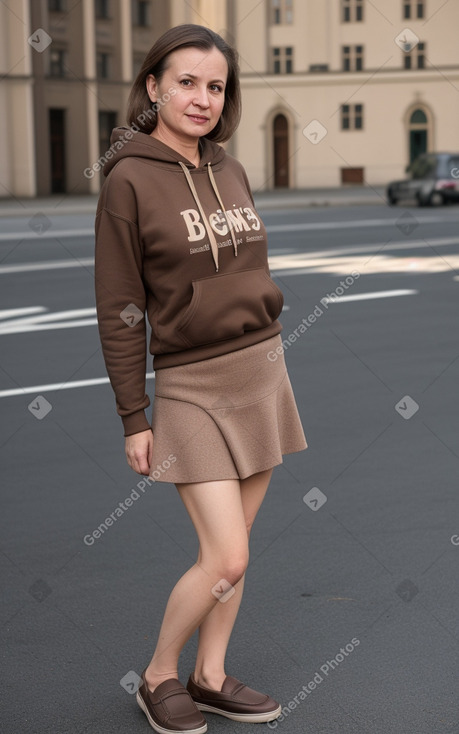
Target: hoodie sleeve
x=121 y=304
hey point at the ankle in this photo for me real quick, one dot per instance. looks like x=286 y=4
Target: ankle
x=210 y=679
x=154 y=678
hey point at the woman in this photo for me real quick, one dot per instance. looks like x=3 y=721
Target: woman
x=177 y=235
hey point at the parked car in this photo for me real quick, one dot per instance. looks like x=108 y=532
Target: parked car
x=434 y=179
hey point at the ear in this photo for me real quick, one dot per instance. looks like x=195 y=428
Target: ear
x=152 y=87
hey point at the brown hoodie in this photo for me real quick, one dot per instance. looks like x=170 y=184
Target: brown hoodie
x=184 y=244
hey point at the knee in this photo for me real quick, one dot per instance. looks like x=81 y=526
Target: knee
x=234 y=567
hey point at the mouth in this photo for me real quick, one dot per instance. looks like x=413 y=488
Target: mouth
x=198 y=118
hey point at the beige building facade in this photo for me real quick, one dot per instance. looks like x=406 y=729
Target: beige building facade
x=334 y=91
x=342 y=91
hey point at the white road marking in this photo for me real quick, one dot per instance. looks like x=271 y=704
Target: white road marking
x=53 y=316
x=47 y=234
x=44 y=321
x=60 y=386
x=9 y=313
x=62 y=319
x=386 y=246
x=345 y=262
x=371 y=296
x=366 y=266
x=23 y=329
x=47 y=265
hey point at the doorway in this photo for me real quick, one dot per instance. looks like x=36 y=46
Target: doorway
x=418 y=134
x=57 y=148
x=281 y=151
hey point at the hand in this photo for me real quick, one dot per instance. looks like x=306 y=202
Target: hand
x=139 y=451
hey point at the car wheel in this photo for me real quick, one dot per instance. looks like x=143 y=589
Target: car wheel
x=391 y=200
x=432 y=199
x=437 y=199
x=424 y=200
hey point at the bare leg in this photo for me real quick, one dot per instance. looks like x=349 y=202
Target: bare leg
x=215 y=630
x=217 y=513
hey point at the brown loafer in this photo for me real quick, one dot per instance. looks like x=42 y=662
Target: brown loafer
x=235 y=701
x=170 y=708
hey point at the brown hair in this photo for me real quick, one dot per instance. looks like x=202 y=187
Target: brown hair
x=143 y=116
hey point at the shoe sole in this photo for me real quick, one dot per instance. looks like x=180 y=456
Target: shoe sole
x=248 y=718
x=160 y=729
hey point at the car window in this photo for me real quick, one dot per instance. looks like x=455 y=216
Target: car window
x=423 y=166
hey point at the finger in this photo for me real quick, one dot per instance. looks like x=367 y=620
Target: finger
x=145 y=469
x=150 y=452
x=142 y=466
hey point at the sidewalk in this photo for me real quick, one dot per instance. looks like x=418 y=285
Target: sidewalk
x=339 y=196
x=278 y=199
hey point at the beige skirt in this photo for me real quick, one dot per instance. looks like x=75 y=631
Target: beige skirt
x=224 y=418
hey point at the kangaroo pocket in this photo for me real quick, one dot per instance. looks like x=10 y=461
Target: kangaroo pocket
x=226 y=306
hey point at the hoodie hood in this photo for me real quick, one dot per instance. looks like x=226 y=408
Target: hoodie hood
x=127 y=143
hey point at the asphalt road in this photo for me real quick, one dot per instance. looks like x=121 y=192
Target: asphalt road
x=351 y=611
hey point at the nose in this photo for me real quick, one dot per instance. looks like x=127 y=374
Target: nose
x=201 y=98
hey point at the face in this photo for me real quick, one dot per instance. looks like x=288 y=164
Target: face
x=198 y=78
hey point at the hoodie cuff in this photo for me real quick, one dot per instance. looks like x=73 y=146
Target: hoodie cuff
x=135 y=423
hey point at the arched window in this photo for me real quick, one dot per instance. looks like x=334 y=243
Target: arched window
x=418 y=117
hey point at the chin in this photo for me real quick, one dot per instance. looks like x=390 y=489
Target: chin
x=198 y=131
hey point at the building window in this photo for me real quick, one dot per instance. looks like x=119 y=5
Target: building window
x=352 y=58
x=413 y=9
x=352 y=11
x=102 y=8
x=282 y=60
x=137 y=62
x=415 y=59
x=281 y=12
x=107 y=121
x=57 y=62
x=141 y=13
x=351 y=117
x=56 y=6
x=103 y=65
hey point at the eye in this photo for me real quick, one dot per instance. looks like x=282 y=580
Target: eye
x=185 y=82
x=216 y=88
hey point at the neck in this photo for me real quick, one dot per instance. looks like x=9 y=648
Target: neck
x=188 y=147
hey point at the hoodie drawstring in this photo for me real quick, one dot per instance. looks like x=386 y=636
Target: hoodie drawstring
x=217 y=194
x=210 y=233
